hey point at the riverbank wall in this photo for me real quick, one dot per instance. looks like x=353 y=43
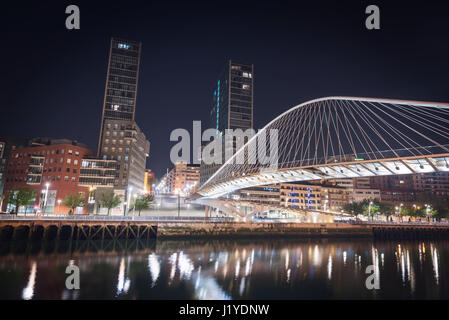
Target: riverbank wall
x=58 y=230
x=266 y=230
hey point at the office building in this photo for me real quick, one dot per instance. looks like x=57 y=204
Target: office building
x=51 y=167
x=121 y=139
x=6 y=145
x=233 y=103
x=232 y=107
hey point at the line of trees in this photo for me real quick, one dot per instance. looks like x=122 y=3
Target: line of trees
x=74 y=201
x=369 y=208
x=26 y=197
x=142 y=203
x=109 y=201
x=430 y=206
x=21 y=197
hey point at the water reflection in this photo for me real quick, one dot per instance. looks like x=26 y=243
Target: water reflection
x=227 y=270
x=28 y=291
x=123 y=281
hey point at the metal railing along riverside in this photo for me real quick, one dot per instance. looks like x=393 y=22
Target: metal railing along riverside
x=103 y=218
x=403 y=223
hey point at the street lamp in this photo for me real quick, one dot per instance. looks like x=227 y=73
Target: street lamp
x=59 y=205
x=179 y=201
x=46 y=196
x=130 y=189
x=134 y=207
x=427 y=212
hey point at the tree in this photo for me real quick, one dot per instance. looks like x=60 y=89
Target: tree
x=21 y=197
x=109 y=200
x=143 y=203
x=354 y=208
x=371 y=207
x=386 y=209
x=439 y=204
x=73 y=201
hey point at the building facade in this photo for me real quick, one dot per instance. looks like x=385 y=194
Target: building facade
x=121 y=139
x=232 y=107
x=233 y=101
x=7 y=144
x=149 y=182
x=121 y=83
x=312 y=197
x=51 y=169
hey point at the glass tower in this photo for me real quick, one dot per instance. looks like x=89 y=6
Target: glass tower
x=121 y=83
x=232 y=103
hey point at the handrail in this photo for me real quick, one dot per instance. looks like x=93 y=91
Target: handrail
x=100 y=218
x=403 y=223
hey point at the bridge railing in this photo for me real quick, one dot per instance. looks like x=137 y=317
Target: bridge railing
x=101 y=218
x=404 y=223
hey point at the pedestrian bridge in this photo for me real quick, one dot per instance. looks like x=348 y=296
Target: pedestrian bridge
x=341 y=137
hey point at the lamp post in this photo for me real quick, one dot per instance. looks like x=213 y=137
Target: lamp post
x=46 y=196
x=59 y=205
x=128 y=203
x=179 y=203
x=427 y=212
x=134 y=206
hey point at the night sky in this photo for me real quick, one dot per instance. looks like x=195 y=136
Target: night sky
x=53 y=79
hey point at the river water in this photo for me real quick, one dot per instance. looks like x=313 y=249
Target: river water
x=231 y=269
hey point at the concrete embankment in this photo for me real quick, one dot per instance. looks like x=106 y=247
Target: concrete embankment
x=94 y=230
x=268 y=230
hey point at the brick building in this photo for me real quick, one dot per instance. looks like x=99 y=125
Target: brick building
x=55 y=162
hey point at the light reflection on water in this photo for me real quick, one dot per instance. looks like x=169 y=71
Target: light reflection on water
x=245 y=269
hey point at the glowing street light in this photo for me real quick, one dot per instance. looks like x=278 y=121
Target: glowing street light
x=134 y=207
x=130 y=190
x=47 y=185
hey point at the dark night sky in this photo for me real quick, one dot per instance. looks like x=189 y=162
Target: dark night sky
x=53 y=79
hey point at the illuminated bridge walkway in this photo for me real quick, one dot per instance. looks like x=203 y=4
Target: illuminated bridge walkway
x=340 y=137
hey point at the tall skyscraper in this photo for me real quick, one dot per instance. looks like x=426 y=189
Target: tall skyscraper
x=232 y=107
x=121 y=83
x=121 y=139
x=233 y=103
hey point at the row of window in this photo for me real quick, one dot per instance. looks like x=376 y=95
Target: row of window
x=121 y=93
x=38 y=179
x=43 y=153
x=122 y=79
x=121 y=86
x=124 y=59
x=114 y=149
x=119 y=101
x=242 y=68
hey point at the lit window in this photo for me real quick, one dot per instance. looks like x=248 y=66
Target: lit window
x=69 y=161
x=123 y=46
